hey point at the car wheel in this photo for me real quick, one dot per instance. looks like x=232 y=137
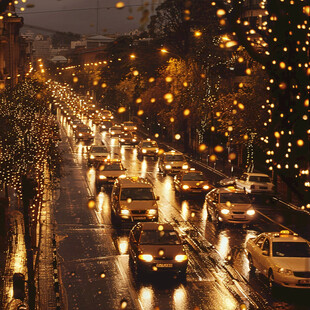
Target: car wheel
x=115 y=220
x=271 y=279
x=251 y=265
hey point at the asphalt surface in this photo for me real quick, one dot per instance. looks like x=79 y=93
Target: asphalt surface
x=93 y=256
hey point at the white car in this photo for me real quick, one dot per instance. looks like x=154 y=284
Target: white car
x=229 y=205
x=284 y=258
x=255 y=183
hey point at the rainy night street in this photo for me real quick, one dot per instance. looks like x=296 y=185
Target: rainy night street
x=93 y=254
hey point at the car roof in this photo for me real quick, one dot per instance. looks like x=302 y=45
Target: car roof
x=156 y=226
x=284 y=236
x=256 y=174
x=229 y=189
x=135 y=182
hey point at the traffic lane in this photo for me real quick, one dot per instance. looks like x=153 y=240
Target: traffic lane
x=215 y=294
x=91 y=273
x=297 y=221
x=202 y=289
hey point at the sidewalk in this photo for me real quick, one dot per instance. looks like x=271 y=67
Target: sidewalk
x=45 y=259
x=15 y=260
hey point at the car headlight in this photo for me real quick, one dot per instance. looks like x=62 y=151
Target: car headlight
x=80 y=134
x=185 y=187
x=250 y=212
x=225 y=211
x=152 y=211
x=74 y=126
x=122 y=140
x=185 y=166
x=206 y=187
x=102 y=177
x=93 y=134
x=135 y=128
x=181 y=258
x=92 y=157
x=122 y=176
x=134 y=140
x=156 y=150
x=125 y=128
x=112 y=132
x=286 y=271
x=125 y=212
x=146 y=257
x=143 y=151
x=168 y=166
x=111 y=117
x=103 y=126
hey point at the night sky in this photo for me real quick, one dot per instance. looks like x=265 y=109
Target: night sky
x=80 y=16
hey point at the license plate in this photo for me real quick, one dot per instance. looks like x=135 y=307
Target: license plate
x=139 y=217
x=164 y=265
x=304 y=281
x=238 y=216
x=196 y=190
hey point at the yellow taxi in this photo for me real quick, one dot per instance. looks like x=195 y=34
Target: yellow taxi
x=283 y=257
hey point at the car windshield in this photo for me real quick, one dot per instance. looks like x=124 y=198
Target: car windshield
x=290 y=249
x=150 y=144
x=234 y=198
x=174 y=158
x=259 y=179
x=84 y=129
x=99 y=149
x=113 y=167
x=193 y=176
x=159 y=237
x=137 y=194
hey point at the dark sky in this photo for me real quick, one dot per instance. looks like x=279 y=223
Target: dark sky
x=80 y=16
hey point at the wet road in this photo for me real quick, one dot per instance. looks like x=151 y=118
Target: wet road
x=94 y=260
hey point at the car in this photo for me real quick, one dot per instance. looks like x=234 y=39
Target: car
x=148 y=147
x=97 y=153
x=172 y=162
x=156 y=247
x=83 y=133
x=283 y=257
x=132 y=200
x=230 y=181
x=127 y=138
x=76 y=122
x=115 y=131
x=255 y=183
x=108 y=171
x=105 y=125
x=229 y=205
x=106 y=114
x=191 y=182
x=129 y=126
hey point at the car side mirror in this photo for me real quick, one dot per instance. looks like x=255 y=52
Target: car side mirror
x=157 y=198
x=265 y=253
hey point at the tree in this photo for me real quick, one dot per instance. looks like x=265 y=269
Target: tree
x=284 y=53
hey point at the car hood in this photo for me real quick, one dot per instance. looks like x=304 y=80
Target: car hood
x=170 y=251
x=140 y=204
x=195 y=183
x=112 y=173
x=176 y=163
x=99 y=154
x=293 y=263
x=236 y=206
